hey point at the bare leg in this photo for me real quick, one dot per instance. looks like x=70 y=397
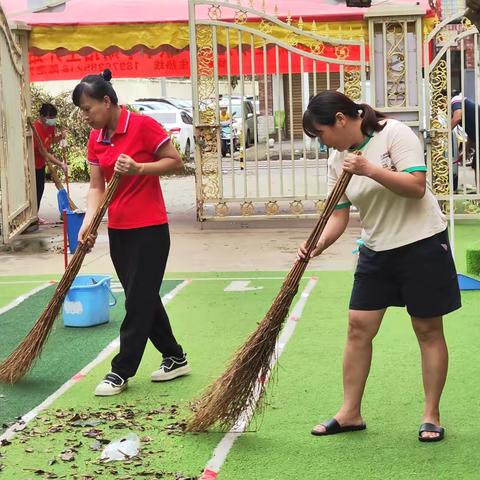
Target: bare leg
x=362 y=328
x=434 y=352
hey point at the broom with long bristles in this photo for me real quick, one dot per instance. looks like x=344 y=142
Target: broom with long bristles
x=21 y=359
x=242 y=385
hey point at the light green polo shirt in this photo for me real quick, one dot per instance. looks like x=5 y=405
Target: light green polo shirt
x=389 y=220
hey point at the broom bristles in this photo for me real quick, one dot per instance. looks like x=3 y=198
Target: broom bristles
x=19 y=362
x=22 y=358
x=241 y=387
x=237 y=389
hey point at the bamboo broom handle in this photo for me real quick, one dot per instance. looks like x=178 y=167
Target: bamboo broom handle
x=81 y=251
x=298 y=269
x=21 y=359
x=50 y=165
x=76 y=262
x=331 y=203
x=112 y=187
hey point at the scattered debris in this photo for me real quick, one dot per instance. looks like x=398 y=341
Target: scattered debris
x=122 y=449
x=75 y=426
x=67 y=456
x=87 y=423
x=42 y=473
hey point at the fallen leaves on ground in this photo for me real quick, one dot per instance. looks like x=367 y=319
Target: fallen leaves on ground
x=89 y=430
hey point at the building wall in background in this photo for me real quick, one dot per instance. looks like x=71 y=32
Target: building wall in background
x=131 y=89
x=450 y=7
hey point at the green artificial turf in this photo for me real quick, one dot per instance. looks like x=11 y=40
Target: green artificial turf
x=210 y=324
x=13 y=287
x=66 y=351
x=309 y=390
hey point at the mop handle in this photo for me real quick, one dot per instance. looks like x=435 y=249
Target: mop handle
x=64 y=159
x=66 y=179
x=65 y=242
x=63 y=149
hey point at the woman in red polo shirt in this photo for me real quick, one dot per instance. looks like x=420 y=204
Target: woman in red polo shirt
x=45 y=127
x=137 y=147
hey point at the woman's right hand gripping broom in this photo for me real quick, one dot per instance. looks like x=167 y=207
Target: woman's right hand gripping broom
x=90 y=239
x=95 y=196
x=302 y=250
x=336 y=225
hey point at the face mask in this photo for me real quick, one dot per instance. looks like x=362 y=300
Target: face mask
x=51 y=122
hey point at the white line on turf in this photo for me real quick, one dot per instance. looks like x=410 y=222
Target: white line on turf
x=22 y=298
x=240 y=286
x=108 y=350
x=209 y=279
x=223 y=448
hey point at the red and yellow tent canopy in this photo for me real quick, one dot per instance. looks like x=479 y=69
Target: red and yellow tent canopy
x=150 y=38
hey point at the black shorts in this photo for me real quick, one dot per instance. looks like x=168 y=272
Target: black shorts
x=420 y=276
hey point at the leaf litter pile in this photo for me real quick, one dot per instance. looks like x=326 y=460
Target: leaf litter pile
x=87 y=434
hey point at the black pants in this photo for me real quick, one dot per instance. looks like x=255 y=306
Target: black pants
x=140 y=256
x=40 y=181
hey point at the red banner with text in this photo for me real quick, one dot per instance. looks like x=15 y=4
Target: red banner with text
x=74 y=66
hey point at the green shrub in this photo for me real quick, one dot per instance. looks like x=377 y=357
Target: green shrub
x=473 y=262
x=78 y=169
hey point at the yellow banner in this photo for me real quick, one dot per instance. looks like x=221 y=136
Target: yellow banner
x=128 y=36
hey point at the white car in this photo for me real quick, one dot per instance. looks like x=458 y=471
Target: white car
x=248 y=117
x=180 y=103
x=177 y=123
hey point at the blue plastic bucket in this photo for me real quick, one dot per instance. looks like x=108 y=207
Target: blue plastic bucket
x=74 y=222
x=87 y=303
x=62 y=201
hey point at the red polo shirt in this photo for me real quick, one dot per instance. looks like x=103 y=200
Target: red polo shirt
x=47 y=134
x=138 y=201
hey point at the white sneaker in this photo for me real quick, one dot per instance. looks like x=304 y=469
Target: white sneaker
x=112 y=384
x=171 y=367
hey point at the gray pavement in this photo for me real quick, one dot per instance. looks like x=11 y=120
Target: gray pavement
x=211 y=247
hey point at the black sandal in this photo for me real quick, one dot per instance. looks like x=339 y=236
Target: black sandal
x=430 y=427
x=332 y=427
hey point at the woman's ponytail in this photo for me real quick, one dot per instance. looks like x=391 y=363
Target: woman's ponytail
x=371 y=119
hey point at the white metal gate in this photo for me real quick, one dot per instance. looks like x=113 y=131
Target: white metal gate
x=265 y=70
x=452 y=67
x=16 y=153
